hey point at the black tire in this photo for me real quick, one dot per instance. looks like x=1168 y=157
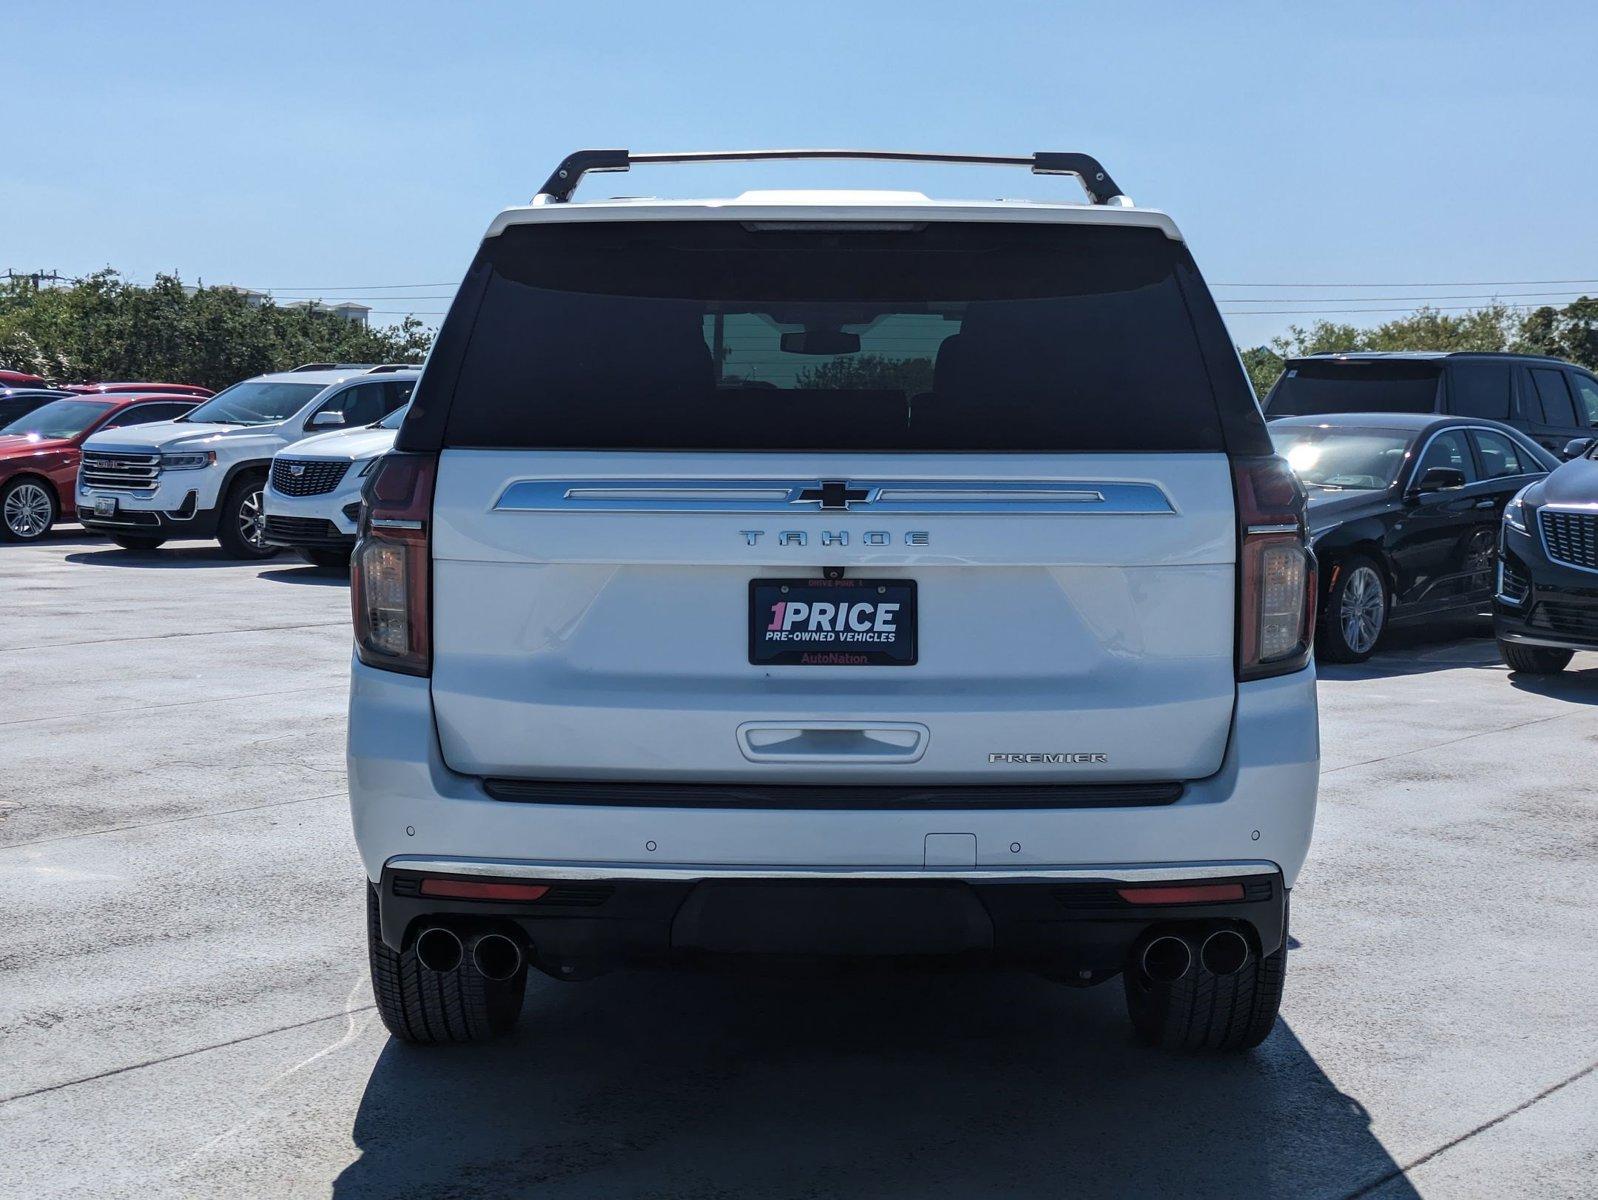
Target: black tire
x=428 y=1007
x=241 y=510
x=1354 y=577
x=330 y=560
x=1534 y=660
x=28 y=509
x=1201 y=1011
x=132 y=541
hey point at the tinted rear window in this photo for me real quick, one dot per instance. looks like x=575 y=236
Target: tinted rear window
x=1480 y=390
x=1312 y=388
x=722 y=336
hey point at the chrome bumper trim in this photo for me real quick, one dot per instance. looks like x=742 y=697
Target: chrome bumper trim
x=693 y=873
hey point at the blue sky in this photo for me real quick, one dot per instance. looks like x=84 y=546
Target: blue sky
x=328 y=148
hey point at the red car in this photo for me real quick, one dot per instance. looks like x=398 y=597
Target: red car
x=180 y=389
x=13 y=379
x=39 y=452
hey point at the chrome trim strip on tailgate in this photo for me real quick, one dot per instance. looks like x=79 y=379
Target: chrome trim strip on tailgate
x=887 y=499
x=1111 y=873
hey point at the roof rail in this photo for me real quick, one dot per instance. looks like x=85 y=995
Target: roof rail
x=332 y=366
x=314 y=367
x=1095 y=180
x=387 y=368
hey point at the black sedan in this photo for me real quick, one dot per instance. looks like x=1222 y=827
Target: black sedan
x=1404 y=512
x=1547 y=602
x=20 y=401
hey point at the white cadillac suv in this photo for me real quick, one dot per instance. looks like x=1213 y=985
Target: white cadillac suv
x=203 y=474
x=833 y=574
x=313 y=492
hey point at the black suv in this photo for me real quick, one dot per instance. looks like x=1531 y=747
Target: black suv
x=1547 y=602
x=1547 y=399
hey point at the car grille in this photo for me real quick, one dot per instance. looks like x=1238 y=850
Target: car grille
x=121 y=472
x=301 y=528
x=1575 y=620
x=306 y=476
x=1571 y=537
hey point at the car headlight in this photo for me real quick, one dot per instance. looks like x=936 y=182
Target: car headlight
x=191 y=461
x=1515 y=511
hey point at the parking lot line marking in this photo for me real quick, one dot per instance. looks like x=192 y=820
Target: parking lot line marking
x=68 y=837
x=161 y=637
x=1375 y=1184
x=111 y=712
x=1451 y=741
x=156 y=1062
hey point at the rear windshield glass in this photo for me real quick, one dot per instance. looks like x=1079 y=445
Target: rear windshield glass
x=727 y=336
x=1309 y=389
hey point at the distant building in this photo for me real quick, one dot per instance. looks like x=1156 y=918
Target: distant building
x=355 y=314
x=251 y=297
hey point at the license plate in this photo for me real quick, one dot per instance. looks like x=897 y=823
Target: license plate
x=832 y=622
x=105 y=506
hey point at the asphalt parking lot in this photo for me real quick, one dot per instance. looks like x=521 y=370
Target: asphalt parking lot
x=184 y=1006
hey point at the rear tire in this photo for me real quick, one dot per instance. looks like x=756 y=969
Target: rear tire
x=428 y=1007
x=28 y=510
x=330 y=560
x=129 y=541
x=1534 y=660
x=1354 y=617
x=241 y=525
x=1201 y=1011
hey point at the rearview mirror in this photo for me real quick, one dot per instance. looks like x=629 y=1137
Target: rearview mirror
x=327 y=419
x=1441 y=479
x=821 y=341
x=1576 y=447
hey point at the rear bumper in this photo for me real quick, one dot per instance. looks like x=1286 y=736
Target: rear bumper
x=1075 y=923
x=412 y=813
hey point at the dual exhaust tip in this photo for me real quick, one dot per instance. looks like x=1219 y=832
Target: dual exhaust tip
x=1170 y=956
x=494 y=956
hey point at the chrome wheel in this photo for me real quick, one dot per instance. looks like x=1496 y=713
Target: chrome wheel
x=28 y=510
x=1364 y=609
x=252 y=520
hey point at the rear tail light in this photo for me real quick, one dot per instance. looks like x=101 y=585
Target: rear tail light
x=1276 y=570
x=390 y=580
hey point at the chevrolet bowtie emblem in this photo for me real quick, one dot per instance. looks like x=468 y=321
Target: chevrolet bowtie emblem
x=832 y=494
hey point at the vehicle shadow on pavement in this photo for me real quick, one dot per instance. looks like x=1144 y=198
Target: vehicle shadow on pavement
x=164 y=558
x=892 y=1084
x=1446 y=646
x=1577 y=686
x=318 y=576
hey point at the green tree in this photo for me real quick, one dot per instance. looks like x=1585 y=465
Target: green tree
x=1570 y=332
x=867 y=372
x=104 y=327
x=1263 y=366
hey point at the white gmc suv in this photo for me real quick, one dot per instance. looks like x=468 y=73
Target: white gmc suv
x=828 y=573
x=202 y=475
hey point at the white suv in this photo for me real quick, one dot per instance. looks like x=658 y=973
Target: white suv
x=833 y=573
x=313 y=493
x=202 y=475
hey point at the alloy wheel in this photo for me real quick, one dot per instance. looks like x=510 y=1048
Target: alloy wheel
x=1364 y=609
x=252 y=520
x=27 y=511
